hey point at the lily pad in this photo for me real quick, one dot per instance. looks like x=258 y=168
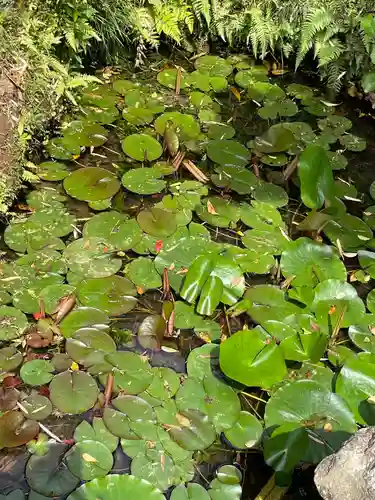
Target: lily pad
x=168 y=77
x=362 y=334
x=38 y=407
x=228 y=153
x=131 y=373
x=192 y=491
x=143 y=274
x=265 y=91
x=274 y=160
x=89 y=459
x=37 y=372
x=353 y=143
x=143 y=181
x=10 y=359
x=185 y=126
x=52 y=171
x=272 y=110
x=299 y=91
x=335 y=301
x=249 y=77
x=85 y=133
x=12 y=323
x=74 y=392
x=97 y=432
x=213 y=65
x=138 y=116
x=219 y=212
x=83 y=317
x=309 y=263
x=114 y=295
x=88 y=347
x=59 y=149
x=91 y=184
x=142 y=147
x=241 y=180
x=92 y=257
x=316 y=106
x=277 y=139
x=220 y=131
x=246 y=432
x=270 y=193
x=193 y=430
x=48 y=475
x=350 y=231
x=157 y=222
x=51 y=296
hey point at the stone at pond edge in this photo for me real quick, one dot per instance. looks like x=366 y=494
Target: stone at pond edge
x=349 y=473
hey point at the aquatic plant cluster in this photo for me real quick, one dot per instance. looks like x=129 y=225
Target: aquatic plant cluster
x=197 y=208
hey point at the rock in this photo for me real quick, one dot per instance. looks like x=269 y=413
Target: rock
x=349 y=474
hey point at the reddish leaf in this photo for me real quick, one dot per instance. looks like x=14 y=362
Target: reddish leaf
x=158 y=245
x=8 y=398
x=44 y=391
x=11 y=381
x=38 y=315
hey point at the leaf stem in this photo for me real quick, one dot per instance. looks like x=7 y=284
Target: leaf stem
x=253 y=396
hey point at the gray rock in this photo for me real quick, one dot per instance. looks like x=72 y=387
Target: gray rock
x=349 y=474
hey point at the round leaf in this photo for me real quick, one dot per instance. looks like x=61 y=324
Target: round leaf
x=91 y=184
x=74 y=392
x=228 y=153
x=142 y=147
x=81 y=318
x=246 y=432
x=89 y=459
x=37 y=372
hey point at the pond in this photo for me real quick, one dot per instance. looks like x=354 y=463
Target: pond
x=186 y=290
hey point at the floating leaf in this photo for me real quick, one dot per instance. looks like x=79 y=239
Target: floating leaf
x=114 y=295
x=185 y=126
x=16 y=430
x=89 y=459
x=246 y=432
x=246 y=356
x=81 y=318
x=97 y=432
x=278 y=138
x=37 y=372
x=143 y=274
x=91 y=184
x=10 y=359
x=84 y=133
x=299 y=91
x=219 y=212
x=353 y=143
x=51 y=296
x=142 y=147
x=265 y=91
x=272 y=110
x=220 y=131
x=348 y=231
x=157 y=222
x=274 y=160
x=213 y=65
x=309 y=263
x=59 y=149
x=168 y=77
x=241 y=180
x=151 y=332
x=38 y=407
x=228 y=153
x=52 y=171
x=362 y=333
x=266 y=302
x=337 y=302
x=270 y=193
x=138 y=116
x=308 y=405
x=249 y=77
x=92 y=257
x=131 y=374
x=48 y=475
x=143 y=181
x=193 y=491
x=317 y=107
x=12 y=323
x=74 y=392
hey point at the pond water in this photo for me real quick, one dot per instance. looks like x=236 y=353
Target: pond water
x=153 y=235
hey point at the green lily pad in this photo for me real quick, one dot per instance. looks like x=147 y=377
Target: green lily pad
x=10 y=359
x=14 y=495
x=52 y=171
x=37 y=372
x=115 y=485
x=369 y=216
x=344 y=189
x=143 y=274
x=131 y=373
x=142 y=147
x=361 y=334
x=91 y=184
x=228 y=153
x=337 y=160
x=89 y=459
x=185 y=126
x=337 y=125
x=249 y=77
x=59 y=149
x=38 y=407
x=310 y=262
x=367 y=261
x=168 y=77
x=12 y=323
x=164 y=385
x=143 y=181
x=274 y=160
x=356 y=383
x=277 y=139
x=201 y=100
x=97 y=432
x=45 y=198
x=353 y=143
x=52 y=294
x=299 y=91
x=206 y=83
x=48 y=475
x=101 y=204
x=213 y=65
x=138 y=116
x=84 y=133
x=219 y=212
x=106 y=116
x=92 y=257
x=220 y=131
x=266 y=302
x=351 y=232
x=348 y=307
x=246 y=432
x=203 y=361
x=115 y=228
x=114 y=295
x=151 y=332
x=316 y=106
x=74 y=392
x=270 y=193
x=193 y=491
x=272 y=110
x=193 y=430
x=241 y=180
x=83 y=317
x=157 y=222
x=88 y=347
x=265 y=91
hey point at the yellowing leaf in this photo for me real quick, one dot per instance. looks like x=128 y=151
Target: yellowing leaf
x=74 y=366
x=211 y=208
x=88 y=458
x=184 y=421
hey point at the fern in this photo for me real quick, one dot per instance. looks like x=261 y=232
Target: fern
x=328 y=51
x=202 y=8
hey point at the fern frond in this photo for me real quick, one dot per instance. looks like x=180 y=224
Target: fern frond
x=167 y=22
x=202 y=8
x=327 y=52
x=316 y=21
